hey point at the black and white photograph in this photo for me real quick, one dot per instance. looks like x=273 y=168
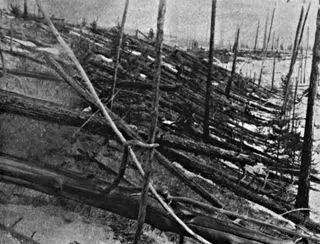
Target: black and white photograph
x=159 y=121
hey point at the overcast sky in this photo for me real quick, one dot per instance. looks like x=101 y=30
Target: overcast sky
x=189 y=18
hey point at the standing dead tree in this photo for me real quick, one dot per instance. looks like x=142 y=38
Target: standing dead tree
x=270 y=30
x=306 y=57
x=209 y=75
x=295 y=50
x=235 y=54
x=25 y=9
x=118 y=52
x=274 y=69
x=265 y=33
x=106 y=115
x=154 y=122
x=256 y=39
x=302 y=199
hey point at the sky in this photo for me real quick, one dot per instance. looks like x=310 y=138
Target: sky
x=189 y=19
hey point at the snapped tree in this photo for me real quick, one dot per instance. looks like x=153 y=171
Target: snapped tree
x=302 y=199
x=208 y=88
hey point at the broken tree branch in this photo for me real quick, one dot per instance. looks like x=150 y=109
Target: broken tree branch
x=123 y=201
x=110 y=121
x=122 y=170
x=117 y=61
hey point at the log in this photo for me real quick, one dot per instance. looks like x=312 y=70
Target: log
x=220 y=178
x=145 y=86
x=38 y=109
x=197 y=147
x=11 y=102
x=48 y=111
x=123 y=201
x=33 y=74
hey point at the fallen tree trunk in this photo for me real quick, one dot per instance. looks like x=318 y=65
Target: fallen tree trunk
x=123 y=201
x=140 y=85
x=222 y=180
x=41 y=110
x=212 y=151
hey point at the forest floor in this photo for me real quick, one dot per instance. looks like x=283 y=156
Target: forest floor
x=49 y=219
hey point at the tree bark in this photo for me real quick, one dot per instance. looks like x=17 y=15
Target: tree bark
x=270 y=30
x=297 y=42
x=25 y=9
x=123 y=201
x=302 y=200
x=154 y=119
x=256 y=39
x=206 y=130
x=235 y=55
x=116 y=63
x=273 y=69
x=265 y=33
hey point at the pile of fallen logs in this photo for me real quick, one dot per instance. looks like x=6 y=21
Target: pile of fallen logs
x=237 y=133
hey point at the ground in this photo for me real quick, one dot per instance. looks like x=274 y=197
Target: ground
x=56 y=220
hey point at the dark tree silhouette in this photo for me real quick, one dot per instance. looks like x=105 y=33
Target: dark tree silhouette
x=302 y=199
x=25 y=9
x=235 y=54
x=208 y=89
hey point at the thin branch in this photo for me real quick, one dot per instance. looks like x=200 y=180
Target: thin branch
x=4 y=70
x=105 y=113
x=235 y=55
x=296 y=210
x=16 y=222
x=256 y=39
x=117 y=61
x=154 y=122
x=297 y=42
x=122 y=170
x=140 y=144
x=270 y=30
x=206 y=130
x=213 y=210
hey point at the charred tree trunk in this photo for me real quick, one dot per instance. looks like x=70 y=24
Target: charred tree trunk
x=208 y=89
x=306 y=58
x=235 y=54
x=25 y=9
x=117 y=61
x=123 y=201
x=270 y=30
x=256 y=39
x=265 y=34
x=273 y=69
x=297 y=42
x=302 y=199
x=154 y=122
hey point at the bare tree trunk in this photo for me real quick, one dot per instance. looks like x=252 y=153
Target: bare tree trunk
x=208 y=89
x=260 y=75
x=302 y=199
x=270 y=30
x=306 y=57
x=297 y=42
x=273 y=69
x=117 y=61
x=288 y=77
x=265 y=34
x=25 y=9
x=154 y=123
x=256 y=39
x=235 y=54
